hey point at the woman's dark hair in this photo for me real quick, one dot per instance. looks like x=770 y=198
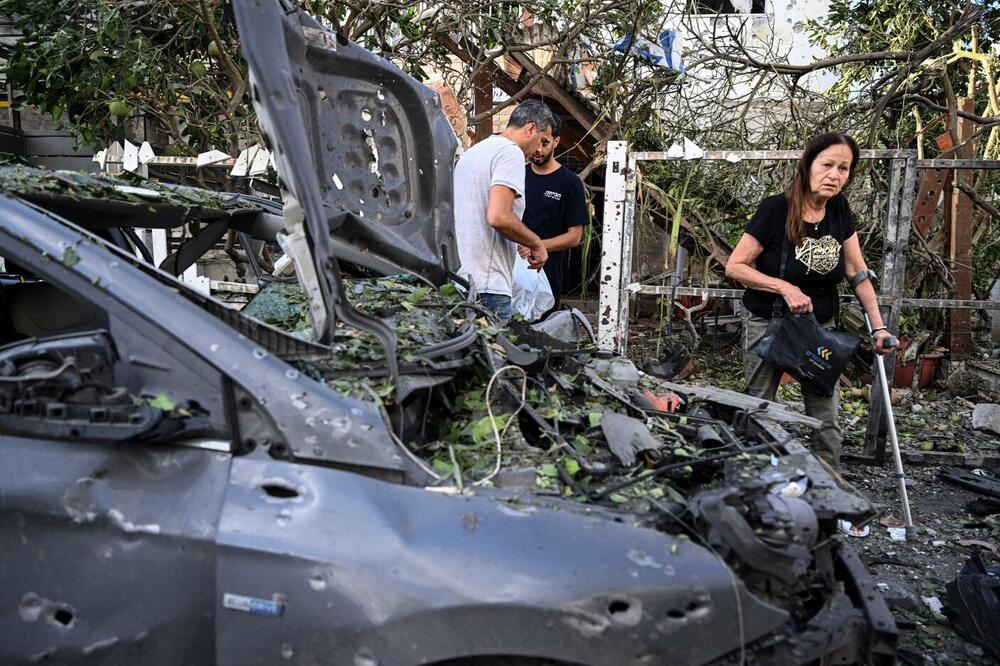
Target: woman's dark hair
x=796 y=192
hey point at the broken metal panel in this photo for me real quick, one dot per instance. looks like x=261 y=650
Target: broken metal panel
x=883 y=636
x=303 y=418
x=107 y=553
x=765 y=409
x=364 y=151
x=363 y=569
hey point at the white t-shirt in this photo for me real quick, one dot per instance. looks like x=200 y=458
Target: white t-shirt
x=487 y=257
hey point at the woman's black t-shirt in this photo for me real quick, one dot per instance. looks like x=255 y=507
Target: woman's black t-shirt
x=816 y=266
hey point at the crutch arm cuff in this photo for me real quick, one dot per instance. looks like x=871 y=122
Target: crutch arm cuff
x=860 y=277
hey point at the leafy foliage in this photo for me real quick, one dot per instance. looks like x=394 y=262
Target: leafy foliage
x=96 y=64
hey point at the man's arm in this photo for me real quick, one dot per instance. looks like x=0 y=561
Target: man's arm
x=570 y=239
x=500 y=215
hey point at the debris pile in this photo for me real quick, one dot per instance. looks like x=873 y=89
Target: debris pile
x=530 y=418
x=566 y=420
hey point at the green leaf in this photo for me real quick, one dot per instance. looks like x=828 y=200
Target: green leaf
x=448 y=289
x=417 y=295
x=618 y=498
x=676 y=496
x=571 y=466
x=163 y=403
x=582 y=445
x=595 y=419
x=482 y=430
x=443 y=466
x=549 y=470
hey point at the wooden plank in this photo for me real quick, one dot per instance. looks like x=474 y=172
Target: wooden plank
x=951 y=458
x=886 y=301
x=959 y=163
x=233 y=287
x=902 y=181
x=580 y=112
x=740 y=155
x=960 y=244
x=581 y=146
x=482 y=86
x=932 y=183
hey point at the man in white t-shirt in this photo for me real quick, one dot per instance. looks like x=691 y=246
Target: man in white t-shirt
x=489 y=204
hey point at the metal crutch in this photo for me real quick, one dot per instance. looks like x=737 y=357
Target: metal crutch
x=911 y=530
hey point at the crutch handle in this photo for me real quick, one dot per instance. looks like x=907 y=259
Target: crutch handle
x=890 y=342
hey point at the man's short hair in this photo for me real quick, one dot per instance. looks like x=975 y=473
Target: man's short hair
x=556 y=124
x=533 y=111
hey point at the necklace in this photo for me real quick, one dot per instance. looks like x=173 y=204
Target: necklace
x=810 y=217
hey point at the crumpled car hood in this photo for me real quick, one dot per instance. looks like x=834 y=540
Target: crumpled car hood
x=363 y=151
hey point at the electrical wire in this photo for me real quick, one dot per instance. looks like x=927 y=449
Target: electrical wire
x=493 y=422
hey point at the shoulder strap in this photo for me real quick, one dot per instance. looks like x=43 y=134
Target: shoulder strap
x=779 y=302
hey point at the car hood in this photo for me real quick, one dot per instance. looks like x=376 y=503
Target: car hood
x=364 y=155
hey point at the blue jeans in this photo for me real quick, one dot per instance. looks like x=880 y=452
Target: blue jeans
x=498 y=304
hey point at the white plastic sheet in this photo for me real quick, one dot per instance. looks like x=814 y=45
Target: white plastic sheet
x=532 y=295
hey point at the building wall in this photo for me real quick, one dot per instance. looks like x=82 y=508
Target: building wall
x=776 y=35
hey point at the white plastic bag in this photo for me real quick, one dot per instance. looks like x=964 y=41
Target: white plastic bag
x=532 y=295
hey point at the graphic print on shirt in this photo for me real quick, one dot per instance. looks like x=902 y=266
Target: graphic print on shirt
x=820 y=255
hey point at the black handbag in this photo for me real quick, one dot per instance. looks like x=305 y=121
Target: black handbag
x=797 y=344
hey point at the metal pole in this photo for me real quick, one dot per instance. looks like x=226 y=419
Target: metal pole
x=911 y=530
x=609 y=325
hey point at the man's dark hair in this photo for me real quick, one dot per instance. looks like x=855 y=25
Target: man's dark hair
x=532 y=111
x=556 y=124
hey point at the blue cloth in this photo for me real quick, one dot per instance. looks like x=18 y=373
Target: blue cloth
x=664 y=52
x=498 y=304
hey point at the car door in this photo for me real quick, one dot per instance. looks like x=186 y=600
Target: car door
x=114 y=460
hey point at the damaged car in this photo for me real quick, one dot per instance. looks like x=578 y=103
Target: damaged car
x=362 y=466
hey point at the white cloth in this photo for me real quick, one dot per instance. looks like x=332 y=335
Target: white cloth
x=532 y=295
x=487 y=258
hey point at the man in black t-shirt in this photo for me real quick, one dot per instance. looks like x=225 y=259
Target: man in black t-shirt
x=555 y=207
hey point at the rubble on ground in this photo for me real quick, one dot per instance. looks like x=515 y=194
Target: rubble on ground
x=946 y=515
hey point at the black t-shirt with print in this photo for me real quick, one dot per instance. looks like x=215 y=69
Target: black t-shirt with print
x=816 y=266
x=552 y=204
